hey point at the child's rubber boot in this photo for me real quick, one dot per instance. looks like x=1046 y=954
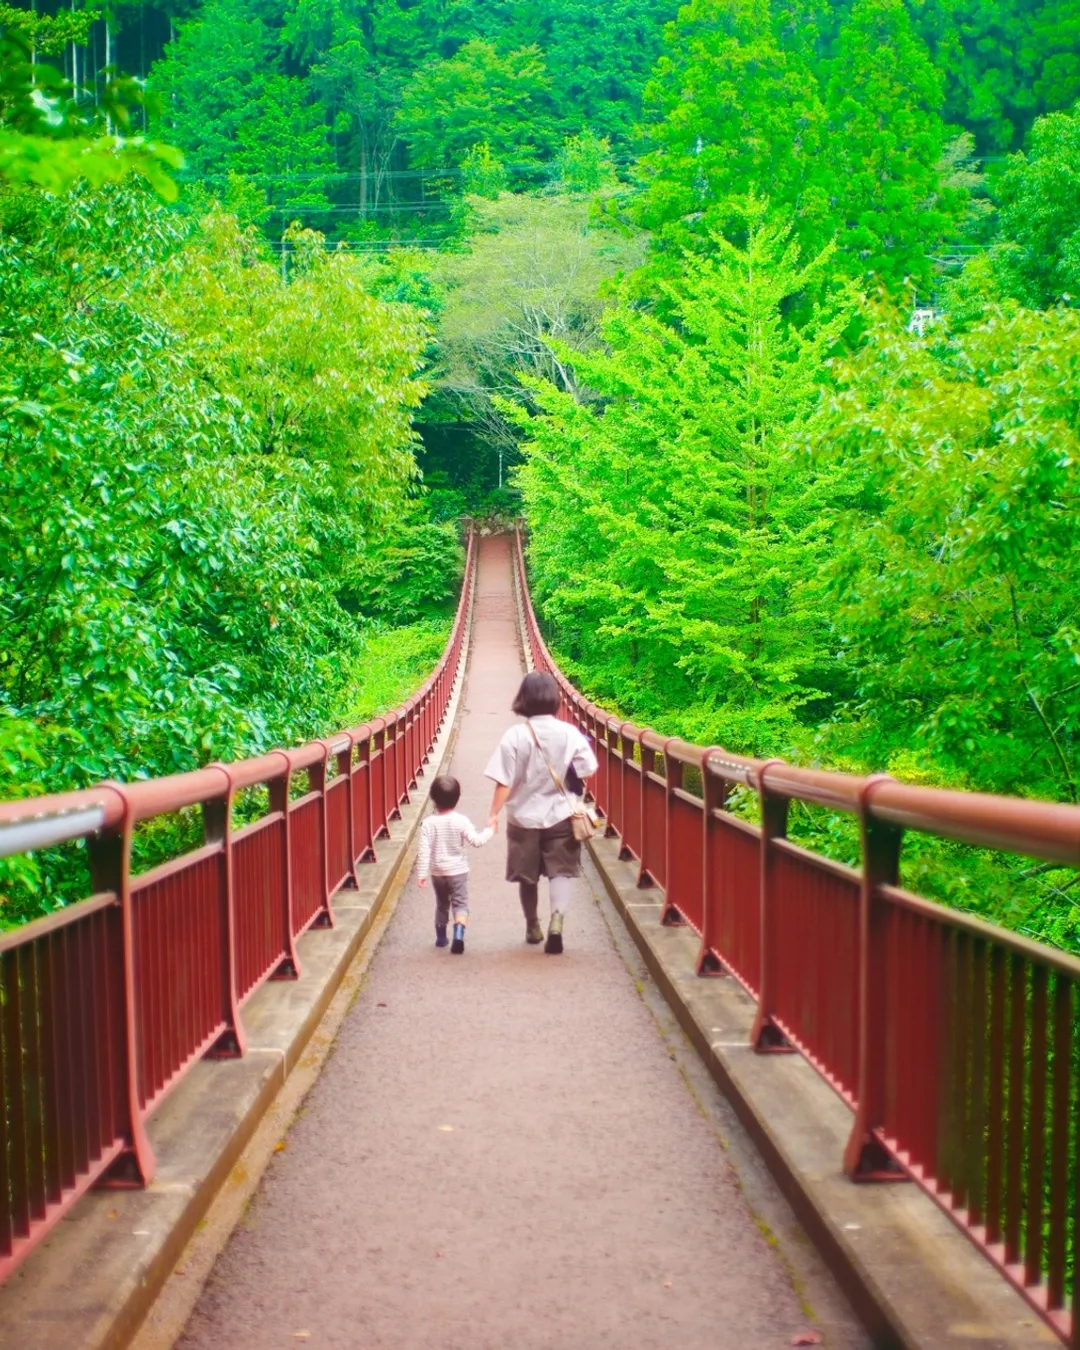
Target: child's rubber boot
x=458 y=944
x=534 y=933
x=440 y=935
x=553 y=945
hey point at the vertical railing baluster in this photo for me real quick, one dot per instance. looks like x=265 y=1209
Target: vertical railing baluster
x=110 y=870
x=864 y=1158
x=278 y=789
x=765 y=1036
x=672 y=915
x=316 y=776
x=714 y=795
x=217 y=829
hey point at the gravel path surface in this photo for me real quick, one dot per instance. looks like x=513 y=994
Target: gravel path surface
x=500 y=1151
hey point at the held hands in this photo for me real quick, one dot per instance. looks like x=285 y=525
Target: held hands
x=421 y=881
x=493 y=824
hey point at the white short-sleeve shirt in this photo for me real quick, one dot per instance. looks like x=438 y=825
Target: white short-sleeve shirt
x=534 y=799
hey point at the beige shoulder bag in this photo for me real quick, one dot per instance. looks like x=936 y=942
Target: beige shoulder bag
x=582 y=821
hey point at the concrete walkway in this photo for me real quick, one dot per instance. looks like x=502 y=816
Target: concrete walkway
x=500 y=1151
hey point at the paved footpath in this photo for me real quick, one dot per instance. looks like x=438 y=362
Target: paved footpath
x=500 y=1153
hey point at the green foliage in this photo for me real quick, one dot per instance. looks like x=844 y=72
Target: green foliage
x=584 y=163
x=202 y=464
x=731 y=112
x=676 y=539
x=335 y=107
x=1039 y=196
x=482 y=175
x=848 y=148
x=955 y=595
x=479 y=97
x=48 y=139
x=1003 y=62
x=885 y=144
x=49 y=33
x=228 y=100
x=534 y=270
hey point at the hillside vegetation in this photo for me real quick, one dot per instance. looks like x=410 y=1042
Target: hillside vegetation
x=762 y=312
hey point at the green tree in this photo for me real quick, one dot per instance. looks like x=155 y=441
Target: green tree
x=202 y=464
x=1039 y=214
x=599 y=55
x=48 y=140
x=360 y=54
x=1003 y=62
x=885 y=145
x=675 y=538
x=955 y=592
x=730 y=112
x=231 y=105
x=482 y=175
x=535 y=269
x=584 y=163
x=479 y=97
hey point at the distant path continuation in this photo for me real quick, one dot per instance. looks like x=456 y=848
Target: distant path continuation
x=500 y=1153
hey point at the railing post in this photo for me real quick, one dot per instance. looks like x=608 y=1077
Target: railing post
x=363 y=767
x=865 y=1158
x=380 y=819
x=344 y=768
x=217 y=829
x=110 y=870
x=317 y=783
x=766 y=1037
x=672 y=916
x=714 y=795
x=613 y=806
x=402 y=757
x=289 y=966
x=648 y=766
x=626 y=755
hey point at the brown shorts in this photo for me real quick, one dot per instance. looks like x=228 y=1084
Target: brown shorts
x=551 y=852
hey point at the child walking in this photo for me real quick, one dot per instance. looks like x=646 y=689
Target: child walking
x=441 y=856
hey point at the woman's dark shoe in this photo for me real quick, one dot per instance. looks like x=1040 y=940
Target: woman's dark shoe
x=553 y=945
x=534 y=933
x=458 y=944
x=440 y=935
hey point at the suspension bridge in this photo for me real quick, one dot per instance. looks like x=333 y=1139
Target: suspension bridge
x=763 y=1099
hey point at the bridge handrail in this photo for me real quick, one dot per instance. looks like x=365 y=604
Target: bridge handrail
x=955 y=1043
x=107 y=1003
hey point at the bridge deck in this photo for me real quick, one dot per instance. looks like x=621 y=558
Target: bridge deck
x=500 y=1151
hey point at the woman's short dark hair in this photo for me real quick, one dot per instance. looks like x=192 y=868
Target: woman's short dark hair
x=538 y=694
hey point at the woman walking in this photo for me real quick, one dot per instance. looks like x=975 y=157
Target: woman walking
x=538 y=770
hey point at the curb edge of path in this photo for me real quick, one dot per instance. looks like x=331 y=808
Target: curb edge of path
x=88 y=1285
x=912 y=1278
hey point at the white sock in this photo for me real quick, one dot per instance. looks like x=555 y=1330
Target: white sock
x=560 y=889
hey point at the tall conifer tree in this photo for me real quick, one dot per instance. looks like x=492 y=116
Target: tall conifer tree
x=734 y=112
x=885 y=143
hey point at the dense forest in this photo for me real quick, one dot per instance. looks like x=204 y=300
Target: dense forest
x=762 y=311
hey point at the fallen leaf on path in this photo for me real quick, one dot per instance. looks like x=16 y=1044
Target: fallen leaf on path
x=301 y=1335
x=447 y=1129
x=279 y=1148
x=807 y=1338
x=112 y=1214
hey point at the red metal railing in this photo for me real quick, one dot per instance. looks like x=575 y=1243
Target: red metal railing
x=956 y=1043
x=105 y=1004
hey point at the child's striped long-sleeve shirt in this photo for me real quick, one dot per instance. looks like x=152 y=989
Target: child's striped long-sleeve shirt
x=442 y=844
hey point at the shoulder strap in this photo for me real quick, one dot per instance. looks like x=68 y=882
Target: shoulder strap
x=554 y=776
